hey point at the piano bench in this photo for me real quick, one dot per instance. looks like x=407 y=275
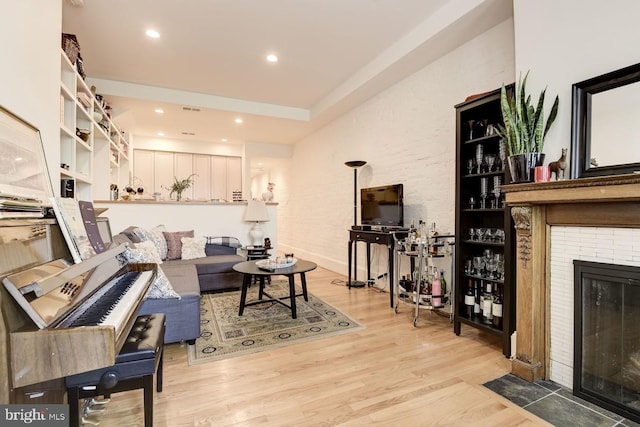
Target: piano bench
x=136 y=363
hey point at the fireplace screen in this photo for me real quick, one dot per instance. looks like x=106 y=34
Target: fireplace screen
x=607 y=336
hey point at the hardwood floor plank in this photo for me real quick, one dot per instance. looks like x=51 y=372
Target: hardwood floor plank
x=390 y=373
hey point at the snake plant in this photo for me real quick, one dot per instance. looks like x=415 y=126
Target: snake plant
x=524 y=126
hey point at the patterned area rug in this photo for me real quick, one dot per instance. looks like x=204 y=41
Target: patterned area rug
x=262 y=327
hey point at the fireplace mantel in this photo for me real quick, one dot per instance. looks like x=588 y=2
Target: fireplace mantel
x=598 y=202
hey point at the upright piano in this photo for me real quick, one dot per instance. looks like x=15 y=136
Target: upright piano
x=58 y=318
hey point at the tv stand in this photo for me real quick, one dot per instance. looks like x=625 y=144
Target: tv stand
x=376 y=237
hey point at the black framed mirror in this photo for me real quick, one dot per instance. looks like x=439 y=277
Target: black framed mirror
x=605 y=124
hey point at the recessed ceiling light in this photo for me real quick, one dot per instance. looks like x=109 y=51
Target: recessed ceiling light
x=153 y=34
x=272 y=58
x=238 y=120
x=159 y=110
x=224 y=140
x=160 y=133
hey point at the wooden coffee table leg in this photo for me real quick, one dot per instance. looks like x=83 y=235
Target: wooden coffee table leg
x=292 y=296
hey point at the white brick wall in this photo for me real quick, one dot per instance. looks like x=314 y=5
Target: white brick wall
x=596 y=244
x=407 y=135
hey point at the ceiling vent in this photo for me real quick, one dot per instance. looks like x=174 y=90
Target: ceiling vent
x=194 y=109
x=188 y=133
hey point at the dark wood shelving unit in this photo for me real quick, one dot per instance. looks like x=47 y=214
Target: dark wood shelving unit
x=484 y=109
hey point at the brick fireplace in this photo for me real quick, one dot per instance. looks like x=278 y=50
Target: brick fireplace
x=557 y=222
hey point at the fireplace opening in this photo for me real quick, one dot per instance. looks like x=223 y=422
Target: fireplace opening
x=607 y=336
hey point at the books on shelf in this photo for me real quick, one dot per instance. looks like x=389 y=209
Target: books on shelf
x=83 y=241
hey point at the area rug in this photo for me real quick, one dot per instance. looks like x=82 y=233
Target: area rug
x=262 y=327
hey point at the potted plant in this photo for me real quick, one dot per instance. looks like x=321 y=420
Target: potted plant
x=524 y=129
x=179 y=185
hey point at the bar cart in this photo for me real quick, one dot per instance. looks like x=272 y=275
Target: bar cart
x=416 y=290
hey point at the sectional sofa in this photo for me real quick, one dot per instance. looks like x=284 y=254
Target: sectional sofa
x=188 y=278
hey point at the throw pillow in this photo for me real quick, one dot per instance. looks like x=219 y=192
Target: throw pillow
x=174 y=242
x=158 y=239
x=149 y=247
x=193 y=247
x=154 y=236
x=161 y=287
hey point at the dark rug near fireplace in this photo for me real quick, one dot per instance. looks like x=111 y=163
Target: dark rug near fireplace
x=554 y=403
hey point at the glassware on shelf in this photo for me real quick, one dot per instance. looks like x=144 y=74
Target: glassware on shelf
x=478 y=265
x=472 y=202
x=480 y=232
x=470 y=165
x=490 y=160
x=472 y=233
x=502 y=153
x=484 y=191
x=479 y=157
x=490 y=234
x=471 y=123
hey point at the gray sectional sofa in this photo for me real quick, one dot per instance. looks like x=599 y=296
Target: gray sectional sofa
x=212 y=273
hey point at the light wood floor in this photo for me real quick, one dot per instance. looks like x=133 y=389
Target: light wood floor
x=389 y=374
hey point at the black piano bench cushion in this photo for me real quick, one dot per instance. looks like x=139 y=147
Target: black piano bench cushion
x=138 y=356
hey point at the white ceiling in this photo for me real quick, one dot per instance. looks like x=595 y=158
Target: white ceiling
x=334 y=54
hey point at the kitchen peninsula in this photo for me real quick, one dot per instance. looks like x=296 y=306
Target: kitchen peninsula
x=204 y=218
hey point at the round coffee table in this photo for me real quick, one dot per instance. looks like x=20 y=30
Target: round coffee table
x=249 y=269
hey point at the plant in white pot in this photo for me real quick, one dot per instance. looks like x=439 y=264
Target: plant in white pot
x=524 y=129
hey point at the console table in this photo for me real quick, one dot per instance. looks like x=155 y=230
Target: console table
x=377 y=237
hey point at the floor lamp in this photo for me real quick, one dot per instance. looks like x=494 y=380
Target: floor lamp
x=355 y=164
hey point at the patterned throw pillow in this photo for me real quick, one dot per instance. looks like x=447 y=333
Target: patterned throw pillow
x=158 y=239
x=149 y=247
x=193 y=247
x=174 y=242
x=154 y=235
x=161 y=287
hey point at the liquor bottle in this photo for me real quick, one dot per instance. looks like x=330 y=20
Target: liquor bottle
x=436 y=289
x=477 y=309
x=443 y=282
x=487 y=305
x=497 y=311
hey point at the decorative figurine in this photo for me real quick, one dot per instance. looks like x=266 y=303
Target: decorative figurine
x=267 y=243
x=558 y=167
x=267 y=196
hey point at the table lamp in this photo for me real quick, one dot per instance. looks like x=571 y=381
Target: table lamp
x=256 y=212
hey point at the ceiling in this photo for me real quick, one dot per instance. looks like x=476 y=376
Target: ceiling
x=210 y=57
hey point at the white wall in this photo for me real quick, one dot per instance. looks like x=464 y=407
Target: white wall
x=406 y=134
x=565 y=42
x=30 y=71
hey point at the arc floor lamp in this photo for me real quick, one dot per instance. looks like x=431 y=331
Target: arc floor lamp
x=355 y=164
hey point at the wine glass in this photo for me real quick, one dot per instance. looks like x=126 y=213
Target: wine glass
x=478 y=265
x=472 y=232
x=491 y=266
x=480 y=232
x=484 y=190
x=471 y=123
x=490 y=234
x=490 y=160
x=472 y=202
x=470 y=165
x=479 y=157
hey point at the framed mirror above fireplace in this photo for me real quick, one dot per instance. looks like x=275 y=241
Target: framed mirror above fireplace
x=605 y=131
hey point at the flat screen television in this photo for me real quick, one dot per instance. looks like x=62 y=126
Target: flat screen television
x=382 y=206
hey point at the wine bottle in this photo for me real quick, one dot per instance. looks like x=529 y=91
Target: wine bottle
x=443 y=283
x=497 y=311
x=469 y=300
x=477 y=308
x=487 y=305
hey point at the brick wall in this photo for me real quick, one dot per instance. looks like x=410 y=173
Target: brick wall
x=407 y=135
